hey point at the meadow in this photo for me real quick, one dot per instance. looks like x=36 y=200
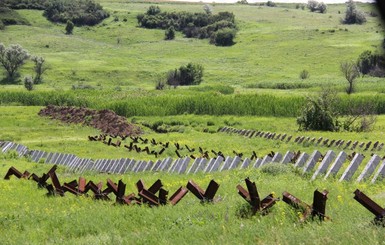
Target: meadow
x=253 y=84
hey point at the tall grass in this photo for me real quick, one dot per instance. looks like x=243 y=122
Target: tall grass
x=200 y=103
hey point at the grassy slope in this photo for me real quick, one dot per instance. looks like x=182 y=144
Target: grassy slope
x=297 y=39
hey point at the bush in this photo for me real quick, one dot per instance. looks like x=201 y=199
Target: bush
x=69 y=27
x=224 y=37
x=12 y=58
x=2 y=26
x=304 y=74
x=28 y=83
x=80 y=12
x=353 y=15
x=367 y=62
x=191 y=74
x=319 y=113
x=314 y=6
x=192 y=25
x=160 y=84
x=271 y=4
x=170 y=33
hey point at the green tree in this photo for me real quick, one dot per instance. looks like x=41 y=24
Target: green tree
x=353 y=15
x=12 y=58
x=69 y=27
x=39 y=68
x=350 y=71
x=224 y=37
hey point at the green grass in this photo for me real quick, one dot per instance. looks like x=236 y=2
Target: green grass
x=297 y=39
x=254 y=84
x=29 y=217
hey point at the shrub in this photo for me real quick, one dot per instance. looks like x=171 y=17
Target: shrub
x=350 y=72
x=160 y=84
x=170 y=33
x=367 y=61
x=314 y=6
x=353 y=15
x=80 y=12
x=271 y=4
x=304 y=74
x=2 y=26
x=69 y=27
x=224 y=37
x=191 y=74
x=319 y=113
x=28 y=83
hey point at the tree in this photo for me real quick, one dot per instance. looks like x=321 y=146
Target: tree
x=191 y=74
x=169 y=33
x=39 y=68
x=322 y=8
x=350 y=72
x=353 y=15
x=69 y=27
x=12 y=58
x=312 y=5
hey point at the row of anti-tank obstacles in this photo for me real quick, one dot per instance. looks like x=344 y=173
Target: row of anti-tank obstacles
x=324 y=142
x=325 y=165
x=149 y=195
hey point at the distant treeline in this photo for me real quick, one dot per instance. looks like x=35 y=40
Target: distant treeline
x=169 y=104
x=80 y=12
x=193 y=25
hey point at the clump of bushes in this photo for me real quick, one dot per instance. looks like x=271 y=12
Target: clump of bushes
x=315 y=6
x=321 y=113
x=80 y=12
x=219 y=28
x=191 y=74
x=304 y=74
x=371 y=64
x=26 y=4
x=353 y=15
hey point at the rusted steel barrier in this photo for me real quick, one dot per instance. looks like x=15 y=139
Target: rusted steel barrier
x=372 y=206
x=204 y=196
x=252 y=197
x=316 y=209
x=17 y=173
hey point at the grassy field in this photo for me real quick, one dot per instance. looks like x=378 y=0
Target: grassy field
x=254 y=84
x=297 y=39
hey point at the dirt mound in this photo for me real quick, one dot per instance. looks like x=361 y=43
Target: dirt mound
x=105 y=120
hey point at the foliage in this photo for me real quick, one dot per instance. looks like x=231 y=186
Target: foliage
x=12 y=58
x=271 y=4
x=320 y=113
x=28 y=83
x=160 y=84
x=208 y=9
x=361 y=118
x=169 y=33
x=81 y=12
x=191 y=74
x=371 y=64
x=26 y=4
x=192 y=25
x=69 y=27
x=314 y=6
x=223 y=37
x=11 y=17
x=39 y=68
x=353 y=15
x=350 y=72
x=304 y=74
